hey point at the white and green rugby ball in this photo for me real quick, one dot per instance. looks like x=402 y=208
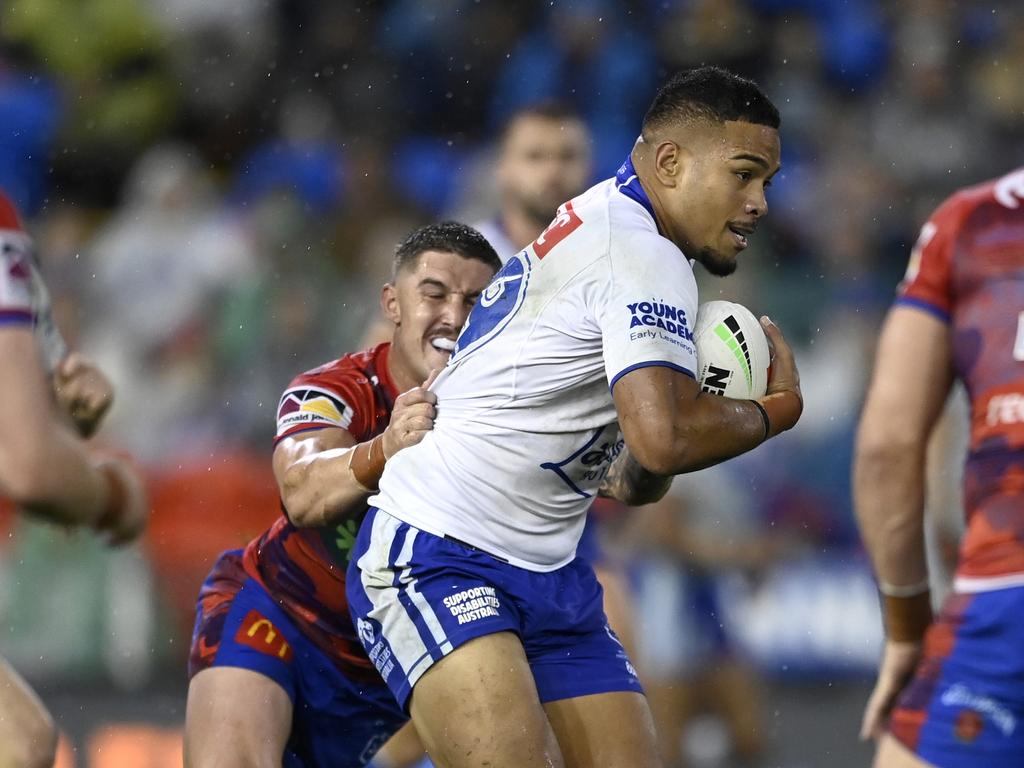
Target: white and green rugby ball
x=732 y=350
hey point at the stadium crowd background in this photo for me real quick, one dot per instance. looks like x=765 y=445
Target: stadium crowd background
x=215 y=189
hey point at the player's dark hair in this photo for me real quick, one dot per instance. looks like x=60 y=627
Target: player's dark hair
x=448 y=236
x=550 y=109
x=710 y=93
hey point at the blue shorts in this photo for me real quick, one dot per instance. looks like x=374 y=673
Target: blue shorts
x=416 y=597
x=964 y=708
x=337 y=721
x=589 y=546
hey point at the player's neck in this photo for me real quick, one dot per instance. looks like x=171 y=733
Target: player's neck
x=650 y=188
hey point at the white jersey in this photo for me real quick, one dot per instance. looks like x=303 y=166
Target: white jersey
x=526 y=427
x=24 y=299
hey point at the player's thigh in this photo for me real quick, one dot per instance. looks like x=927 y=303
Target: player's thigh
x=28 y=737
x=892 y=754
x=611 y=730
x=479 y=706
x=236 y=718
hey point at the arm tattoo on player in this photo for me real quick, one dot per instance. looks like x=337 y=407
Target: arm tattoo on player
x=627 y=481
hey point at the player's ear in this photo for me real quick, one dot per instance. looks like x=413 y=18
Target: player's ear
x=389 y=303
x=670 y=162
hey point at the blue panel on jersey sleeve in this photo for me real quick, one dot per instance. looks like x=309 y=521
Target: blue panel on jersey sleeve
x=497 y=305
x=16 y=317
x=931 y=309
x=648 y=364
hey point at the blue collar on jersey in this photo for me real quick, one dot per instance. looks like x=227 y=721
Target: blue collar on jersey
x=628 y=183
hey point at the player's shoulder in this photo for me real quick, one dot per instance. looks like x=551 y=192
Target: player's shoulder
x=359 y=369
x=342 y=392
x=627 y=225
x=1004 y=194
x=605 y=202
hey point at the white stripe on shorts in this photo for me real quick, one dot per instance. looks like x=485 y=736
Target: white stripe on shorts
x=972 y=584
x=418 y=600
x=377 y=579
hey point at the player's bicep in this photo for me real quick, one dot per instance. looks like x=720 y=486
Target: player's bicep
x=648 y=401
x=303 y=446
x=26 y=415
x=912 y=376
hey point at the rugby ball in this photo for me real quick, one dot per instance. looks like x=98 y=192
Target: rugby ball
x=732 y=351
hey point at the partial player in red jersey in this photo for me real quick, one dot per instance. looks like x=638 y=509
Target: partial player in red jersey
x=951 y=696
x=277 y=671
x=49 y=401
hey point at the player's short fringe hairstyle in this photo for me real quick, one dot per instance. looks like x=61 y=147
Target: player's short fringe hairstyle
x=710 y=93
x=447 y=236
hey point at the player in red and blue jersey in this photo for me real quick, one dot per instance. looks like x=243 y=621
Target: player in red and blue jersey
x=959 y=314
x=49 y=401
x=277 y=670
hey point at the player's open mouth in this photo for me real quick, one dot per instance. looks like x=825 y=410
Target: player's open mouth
x=441 y=344
x=740 y=232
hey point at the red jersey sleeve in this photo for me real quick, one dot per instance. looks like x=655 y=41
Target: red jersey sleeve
x=15 y=280
x=927 y=281
x=333 y=395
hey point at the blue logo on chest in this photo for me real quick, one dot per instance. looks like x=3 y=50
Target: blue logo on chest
x=497 y=305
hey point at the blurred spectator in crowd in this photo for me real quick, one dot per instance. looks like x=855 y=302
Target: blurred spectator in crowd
x=160 y=266
x=544 y=159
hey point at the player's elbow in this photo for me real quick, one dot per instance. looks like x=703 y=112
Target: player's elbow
x=649 y=492
x=887 y=476
x=300 y=505
x=878 y=456
x=658 y=462
x=307 y=504
x=665 y=451
x=27 y=478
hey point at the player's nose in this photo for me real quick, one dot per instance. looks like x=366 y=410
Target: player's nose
x=455 y=311
x=757 y=204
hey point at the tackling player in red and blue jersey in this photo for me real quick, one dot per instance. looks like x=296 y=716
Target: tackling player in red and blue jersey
x=277 y=670
x=959 y=314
